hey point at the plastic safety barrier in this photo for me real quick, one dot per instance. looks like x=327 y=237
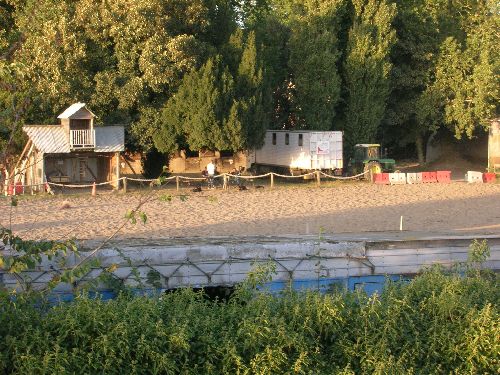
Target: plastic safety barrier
x=473 y=177
x=429 y=177
x=443 y=176
x=19 y=189
x=414 y=178
x=397 y=178
x=489 y=177
x=381 y=178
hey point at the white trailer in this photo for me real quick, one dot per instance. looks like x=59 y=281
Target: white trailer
x=301 y=150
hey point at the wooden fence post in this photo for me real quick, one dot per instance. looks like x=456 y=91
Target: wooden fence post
x=272 y=180
x=6 y=183
x=318 y=178
x=177 y=182
x=124 y=184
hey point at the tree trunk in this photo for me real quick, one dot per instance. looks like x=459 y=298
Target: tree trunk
x=419 y=143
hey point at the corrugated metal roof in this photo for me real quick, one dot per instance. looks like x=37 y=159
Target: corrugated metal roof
x=109 y=139
x=49 y=139
x=72 y=109
x=53 y=139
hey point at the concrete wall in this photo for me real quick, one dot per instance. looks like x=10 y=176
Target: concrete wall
x=131 y=165
x=180 y=163
x=304 y=260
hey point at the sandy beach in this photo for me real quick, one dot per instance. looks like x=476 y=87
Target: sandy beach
x=456 y=208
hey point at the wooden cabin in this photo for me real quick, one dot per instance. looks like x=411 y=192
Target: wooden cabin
x=72 y=152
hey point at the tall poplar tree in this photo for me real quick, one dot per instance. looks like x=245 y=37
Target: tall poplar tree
x=247 y=121
x=314 y=54
x=366 y=69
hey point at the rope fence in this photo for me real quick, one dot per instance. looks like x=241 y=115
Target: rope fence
x=85 y=186
x=227 y=180
x=359 y=175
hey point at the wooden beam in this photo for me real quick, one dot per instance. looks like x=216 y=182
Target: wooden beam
x=130 y=165
x=117 y=170
x=92 y=173
x=12 y=171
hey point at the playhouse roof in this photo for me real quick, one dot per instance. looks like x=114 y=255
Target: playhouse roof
x=48 y=139
x=53 y=139
x=75 y=111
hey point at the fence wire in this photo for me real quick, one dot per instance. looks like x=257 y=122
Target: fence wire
x=221 y=181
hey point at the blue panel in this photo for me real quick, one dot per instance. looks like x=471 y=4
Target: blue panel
x=370 y=284
x=104 y=295
x=56 y=298
x=323 y=284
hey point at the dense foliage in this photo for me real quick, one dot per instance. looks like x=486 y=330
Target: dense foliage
x=437 y=323
x=214 y=74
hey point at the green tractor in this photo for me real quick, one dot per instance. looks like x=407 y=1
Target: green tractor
x=367 y=158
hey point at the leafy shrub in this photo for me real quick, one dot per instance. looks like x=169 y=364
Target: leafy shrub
x=437 y=323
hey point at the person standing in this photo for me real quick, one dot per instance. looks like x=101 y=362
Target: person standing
x=211 y=174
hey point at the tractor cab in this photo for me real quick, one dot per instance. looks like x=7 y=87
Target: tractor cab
x=367 y=158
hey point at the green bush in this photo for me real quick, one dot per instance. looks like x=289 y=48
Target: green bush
x=437 y=323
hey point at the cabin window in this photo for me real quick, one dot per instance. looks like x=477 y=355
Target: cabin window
x=301 y=140
x=287 y=139
x=274 y=138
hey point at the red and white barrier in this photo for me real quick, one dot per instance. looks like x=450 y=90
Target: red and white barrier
x=414 y=178
x=474 y=177
x=381 y=178
x=429 y=177
x=489 y=177
x=443 y=176
x=397 y=178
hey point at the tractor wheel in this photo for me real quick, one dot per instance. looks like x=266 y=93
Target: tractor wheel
x=372 y=168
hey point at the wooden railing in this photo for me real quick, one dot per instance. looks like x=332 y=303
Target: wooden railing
x=81 y=138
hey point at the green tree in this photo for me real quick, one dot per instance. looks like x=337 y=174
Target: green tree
x=194 y=116
x=247 y=121
x=467 y=75
x=271 y=37
x=367 y=69
x=215 y=109
x=417 y=103
x=124 y=58
x=15 y=104
x=418 y=24
x=314 y=54
x=9 y=35
x=251 y=13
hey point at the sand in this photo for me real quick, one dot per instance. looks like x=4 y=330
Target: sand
x=359 y=207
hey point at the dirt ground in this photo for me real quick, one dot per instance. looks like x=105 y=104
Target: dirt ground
x=341 y=207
